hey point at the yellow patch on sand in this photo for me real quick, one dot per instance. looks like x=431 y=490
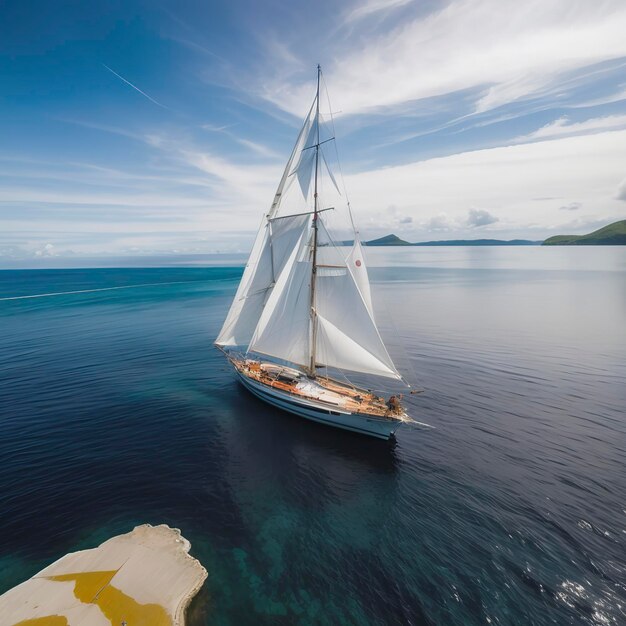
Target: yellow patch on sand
x=88 y=584
x=94 y=588
x=53 y=620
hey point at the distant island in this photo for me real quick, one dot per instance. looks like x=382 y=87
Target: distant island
x=394 y=240
x=387 y=240
x=611 y=235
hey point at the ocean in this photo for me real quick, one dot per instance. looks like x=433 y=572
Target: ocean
x=116 y=410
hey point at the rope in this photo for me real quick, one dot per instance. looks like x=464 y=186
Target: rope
x=343 y=182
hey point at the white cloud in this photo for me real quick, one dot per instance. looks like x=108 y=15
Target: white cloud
x=232 y=184
x=439 y=223
x=213 y=128
x=259 y=148
x=617 y=96
x=250 y=145
x=621 y=191
x=513 y=50
x=185 y=193
x=239 y=185
x=438 y=192
x=395 y=218
x=573 y=206
x=479 y=217
x=563 y=127
x=46 y=251
x=371 y=7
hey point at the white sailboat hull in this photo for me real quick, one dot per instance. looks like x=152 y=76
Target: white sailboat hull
x=381 y=428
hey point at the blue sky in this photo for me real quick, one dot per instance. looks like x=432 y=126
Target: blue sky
x=154 y=127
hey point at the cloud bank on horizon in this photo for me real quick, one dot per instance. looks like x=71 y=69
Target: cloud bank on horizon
x=163 y=128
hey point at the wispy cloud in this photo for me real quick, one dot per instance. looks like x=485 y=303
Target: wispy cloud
x=563 y=127
x=143 y=93
x=373 y=6
x=257 y=148
x=510 y=52
x=214 y=128
x=616 y=96
x=232 y=183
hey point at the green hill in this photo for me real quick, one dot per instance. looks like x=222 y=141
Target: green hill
x=611 y=235
x=388 y=240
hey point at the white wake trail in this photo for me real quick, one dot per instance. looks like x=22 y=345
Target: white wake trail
x=68 y=293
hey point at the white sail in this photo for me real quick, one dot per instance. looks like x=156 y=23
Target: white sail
x=286 y=178
x=248 y=302
x=284 y=326
x=274 y=243
x=332 y=256
x=342 y=352
x=304 y=170
x=330 y=173
x=347 y=336
x=356 y=263
x=306 y=159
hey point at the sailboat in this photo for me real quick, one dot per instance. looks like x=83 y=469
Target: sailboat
x=302 y=315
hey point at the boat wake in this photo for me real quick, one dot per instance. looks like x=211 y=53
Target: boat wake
x=69 y=293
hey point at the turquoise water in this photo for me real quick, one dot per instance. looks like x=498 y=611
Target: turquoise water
x=116 y=410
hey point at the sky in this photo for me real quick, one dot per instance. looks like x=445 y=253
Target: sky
x=145 y=127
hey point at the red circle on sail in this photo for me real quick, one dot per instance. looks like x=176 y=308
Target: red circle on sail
x=358 y=263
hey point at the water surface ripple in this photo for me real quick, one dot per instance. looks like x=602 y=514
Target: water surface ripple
x=116 y=410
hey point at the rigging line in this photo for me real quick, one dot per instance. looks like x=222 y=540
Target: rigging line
x=282 y=217
x=334 y=244
x=345 y=376
x=256 y=293
x=396 y=333
x=317 y=145
x=343 y=181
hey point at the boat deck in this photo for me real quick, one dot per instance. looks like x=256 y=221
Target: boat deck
x=320 y=389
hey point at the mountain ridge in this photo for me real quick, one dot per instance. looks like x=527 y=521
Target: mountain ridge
x=610 y=235
x=394 y=240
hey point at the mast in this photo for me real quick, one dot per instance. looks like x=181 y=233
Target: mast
x=315 y=227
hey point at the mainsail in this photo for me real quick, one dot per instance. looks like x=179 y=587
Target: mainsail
x=302 y=299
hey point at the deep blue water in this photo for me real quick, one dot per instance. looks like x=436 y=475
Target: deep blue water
x=116 y=410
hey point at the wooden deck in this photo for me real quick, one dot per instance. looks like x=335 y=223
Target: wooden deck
x=321 y=389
